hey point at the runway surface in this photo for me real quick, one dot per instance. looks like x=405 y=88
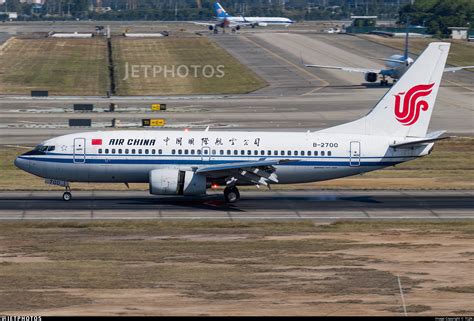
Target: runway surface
x=263 y=205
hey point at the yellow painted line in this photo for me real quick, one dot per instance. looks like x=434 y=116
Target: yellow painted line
x=325 y=83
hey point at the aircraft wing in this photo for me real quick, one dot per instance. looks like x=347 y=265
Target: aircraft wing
x=454 y=69
x=258 y=172
x=348 y=69
x=202 y=23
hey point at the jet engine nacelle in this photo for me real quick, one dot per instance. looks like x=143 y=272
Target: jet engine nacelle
x=176 y=182
x=211 y=27
x=370 y=76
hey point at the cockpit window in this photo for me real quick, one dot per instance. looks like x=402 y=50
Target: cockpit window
x=43 y=148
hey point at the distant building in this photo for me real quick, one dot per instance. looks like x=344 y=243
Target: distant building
x=37 y=2
x=2 y=2
x=459 y=33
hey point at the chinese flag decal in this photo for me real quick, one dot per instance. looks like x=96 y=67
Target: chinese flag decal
x=97 y=141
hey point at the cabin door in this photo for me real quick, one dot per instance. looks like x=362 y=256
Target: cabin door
x=79 y=150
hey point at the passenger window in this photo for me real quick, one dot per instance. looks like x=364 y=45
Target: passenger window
x=262 y=152
x=180 y=151
x=173 y=151
x=100 y=150
x=236 y=152
x=133 y=151
x=329 y=153
x=192 y=151
x=126 y=151
x=120 y=151
x=296 y=153
x=186 y=152
x=213 y=152
x=255 y=152
x=275 y=152
x=106 y=150
x=242 y=152
x=228 y=152
x=322 y=153
x=205 y=152
x=221 y=152
x=139 y=151
x=315 y=153
x=113 y=150
x=309 y=153
x=153 y=151
x=289 y=153
x=146 y=151
x=198 y=152
x=302 y=153
x=249 y=152
x=282 y=153
x=160 y=151
x=269 y=152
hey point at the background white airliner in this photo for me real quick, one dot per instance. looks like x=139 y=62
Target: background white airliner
x=227 y=21
x=189 y=162
x=396 y=65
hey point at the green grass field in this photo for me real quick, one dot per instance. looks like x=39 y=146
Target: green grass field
x=460 y=54
x=450 y=166
x=61 y=66
x=192 y=54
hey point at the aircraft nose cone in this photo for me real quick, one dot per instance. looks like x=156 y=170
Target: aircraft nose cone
x=22 y=163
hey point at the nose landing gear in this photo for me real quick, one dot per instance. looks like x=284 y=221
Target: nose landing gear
x=67 y=194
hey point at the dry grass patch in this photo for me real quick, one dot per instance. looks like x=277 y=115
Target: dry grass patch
x=269 y=263
x=169 y=53
x=459 y=55
x=61 y=66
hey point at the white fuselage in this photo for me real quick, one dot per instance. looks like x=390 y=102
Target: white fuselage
x=397 y=69
x=261 y=20
x=129 y=156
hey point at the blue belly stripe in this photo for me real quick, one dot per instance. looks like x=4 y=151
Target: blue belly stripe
x=197 y=162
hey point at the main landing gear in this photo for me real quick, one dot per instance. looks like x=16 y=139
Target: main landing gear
x=231 y=194
x=67 y=194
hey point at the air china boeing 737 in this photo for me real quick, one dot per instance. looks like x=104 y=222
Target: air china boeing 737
x=190 y=162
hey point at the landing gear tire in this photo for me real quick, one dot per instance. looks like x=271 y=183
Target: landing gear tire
x=384 y=83
x=231 y=194
x=67 y=196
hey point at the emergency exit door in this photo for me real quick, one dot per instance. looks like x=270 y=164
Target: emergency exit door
x=355 y=154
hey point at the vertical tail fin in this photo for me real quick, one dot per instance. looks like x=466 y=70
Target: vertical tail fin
x=406 y=108
x=407 y=33
x=220 y=11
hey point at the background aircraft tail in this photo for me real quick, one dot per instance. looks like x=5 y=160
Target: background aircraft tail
x=220 y=11
x=405 y=110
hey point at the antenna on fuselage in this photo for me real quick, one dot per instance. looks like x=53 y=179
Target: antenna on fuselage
x=207 y=128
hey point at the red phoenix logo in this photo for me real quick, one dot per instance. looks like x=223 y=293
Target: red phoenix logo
x=408 y=112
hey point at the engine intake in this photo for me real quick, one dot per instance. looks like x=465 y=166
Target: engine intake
x=370 y=76
x=176 y=182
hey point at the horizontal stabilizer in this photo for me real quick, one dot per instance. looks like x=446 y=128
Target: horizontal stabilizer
x=432 y=137
x=454 y=69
